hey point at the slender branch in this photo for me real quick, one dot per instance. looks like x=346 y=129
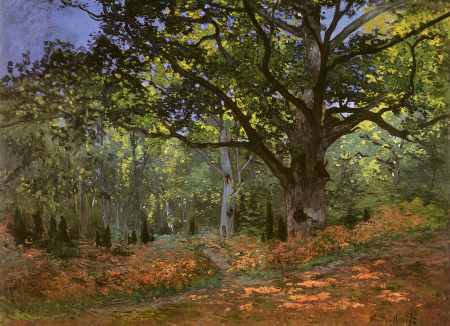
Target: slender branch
x=247 y=163
x=265 y=66
x=383 y=124
x=226 y=8
x=338 y=14
x=294 y=30
x=346 y=109
x=228 y=57
x=206 y=159
x=389 y=43
x=363 y=19
x=91 y=14
x=172 y=134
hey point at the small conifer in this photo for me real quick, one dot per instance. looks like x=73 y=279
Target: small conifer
x=98 y=239
x=52 y=230
x=366 y=215
x=107 y=238
x=38 y=228
x=19 y=229
x=63 y=235
x=282 y=229
x=132 y=238
x=269 y=220
x=145 y=236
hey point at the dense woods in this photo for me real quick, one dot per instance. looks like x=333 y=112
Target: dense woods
x=297 y=121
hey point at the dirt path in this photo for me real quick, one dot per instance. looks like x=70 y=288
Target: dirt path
x=404 y=282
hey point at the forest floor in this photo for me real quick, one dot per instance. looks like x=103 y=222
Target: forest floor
x=402 y=280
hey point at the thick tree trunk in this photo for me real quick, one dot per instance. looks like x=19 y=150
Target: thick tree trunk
x=304 y=190
x=306 y=203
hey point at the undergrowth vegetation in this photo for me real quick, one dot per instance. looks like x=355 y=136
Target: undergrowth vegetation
x=98 y=273
x=387 y=222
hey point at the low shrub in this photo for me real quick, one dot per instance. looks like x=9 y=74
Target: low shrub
x=386 y=221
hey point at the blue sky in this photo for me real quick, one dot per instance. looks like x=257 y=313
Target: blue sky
x=26 y=24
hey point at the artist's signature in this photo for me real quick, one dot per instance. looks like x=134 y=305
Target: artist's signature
x=409 y=319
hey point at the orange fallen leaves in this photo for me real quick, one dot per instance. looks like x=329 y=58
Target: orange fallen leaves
x=32 y=253
x=393 y=297
x=378 y=262
x=344 y=304
x=331 y=239
x=360 y=269
x=388 y=220
x=45 y=277
x=196 y=297
x=246 y=307
x=304 y=298
x=321 y=301
x=367 y=276
x=115 y=274
x=317 y=283
x=292 y=305
x=262 y=290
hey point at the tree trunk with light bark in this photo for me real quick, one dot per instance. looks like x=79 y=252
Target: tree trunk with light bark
x=227 y=208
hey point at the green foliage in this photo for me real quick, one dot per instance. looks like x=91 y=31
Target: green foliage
x=436 y=216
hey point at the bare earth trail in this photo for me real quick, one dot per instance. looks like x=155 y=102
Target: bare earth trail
x=404 y=282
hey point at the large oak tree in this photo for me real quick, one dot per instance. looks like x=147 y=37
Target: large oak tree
x=295 y=76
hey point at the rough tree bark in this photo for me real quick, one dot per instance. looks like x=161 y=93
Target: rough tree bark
x=305 y=192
